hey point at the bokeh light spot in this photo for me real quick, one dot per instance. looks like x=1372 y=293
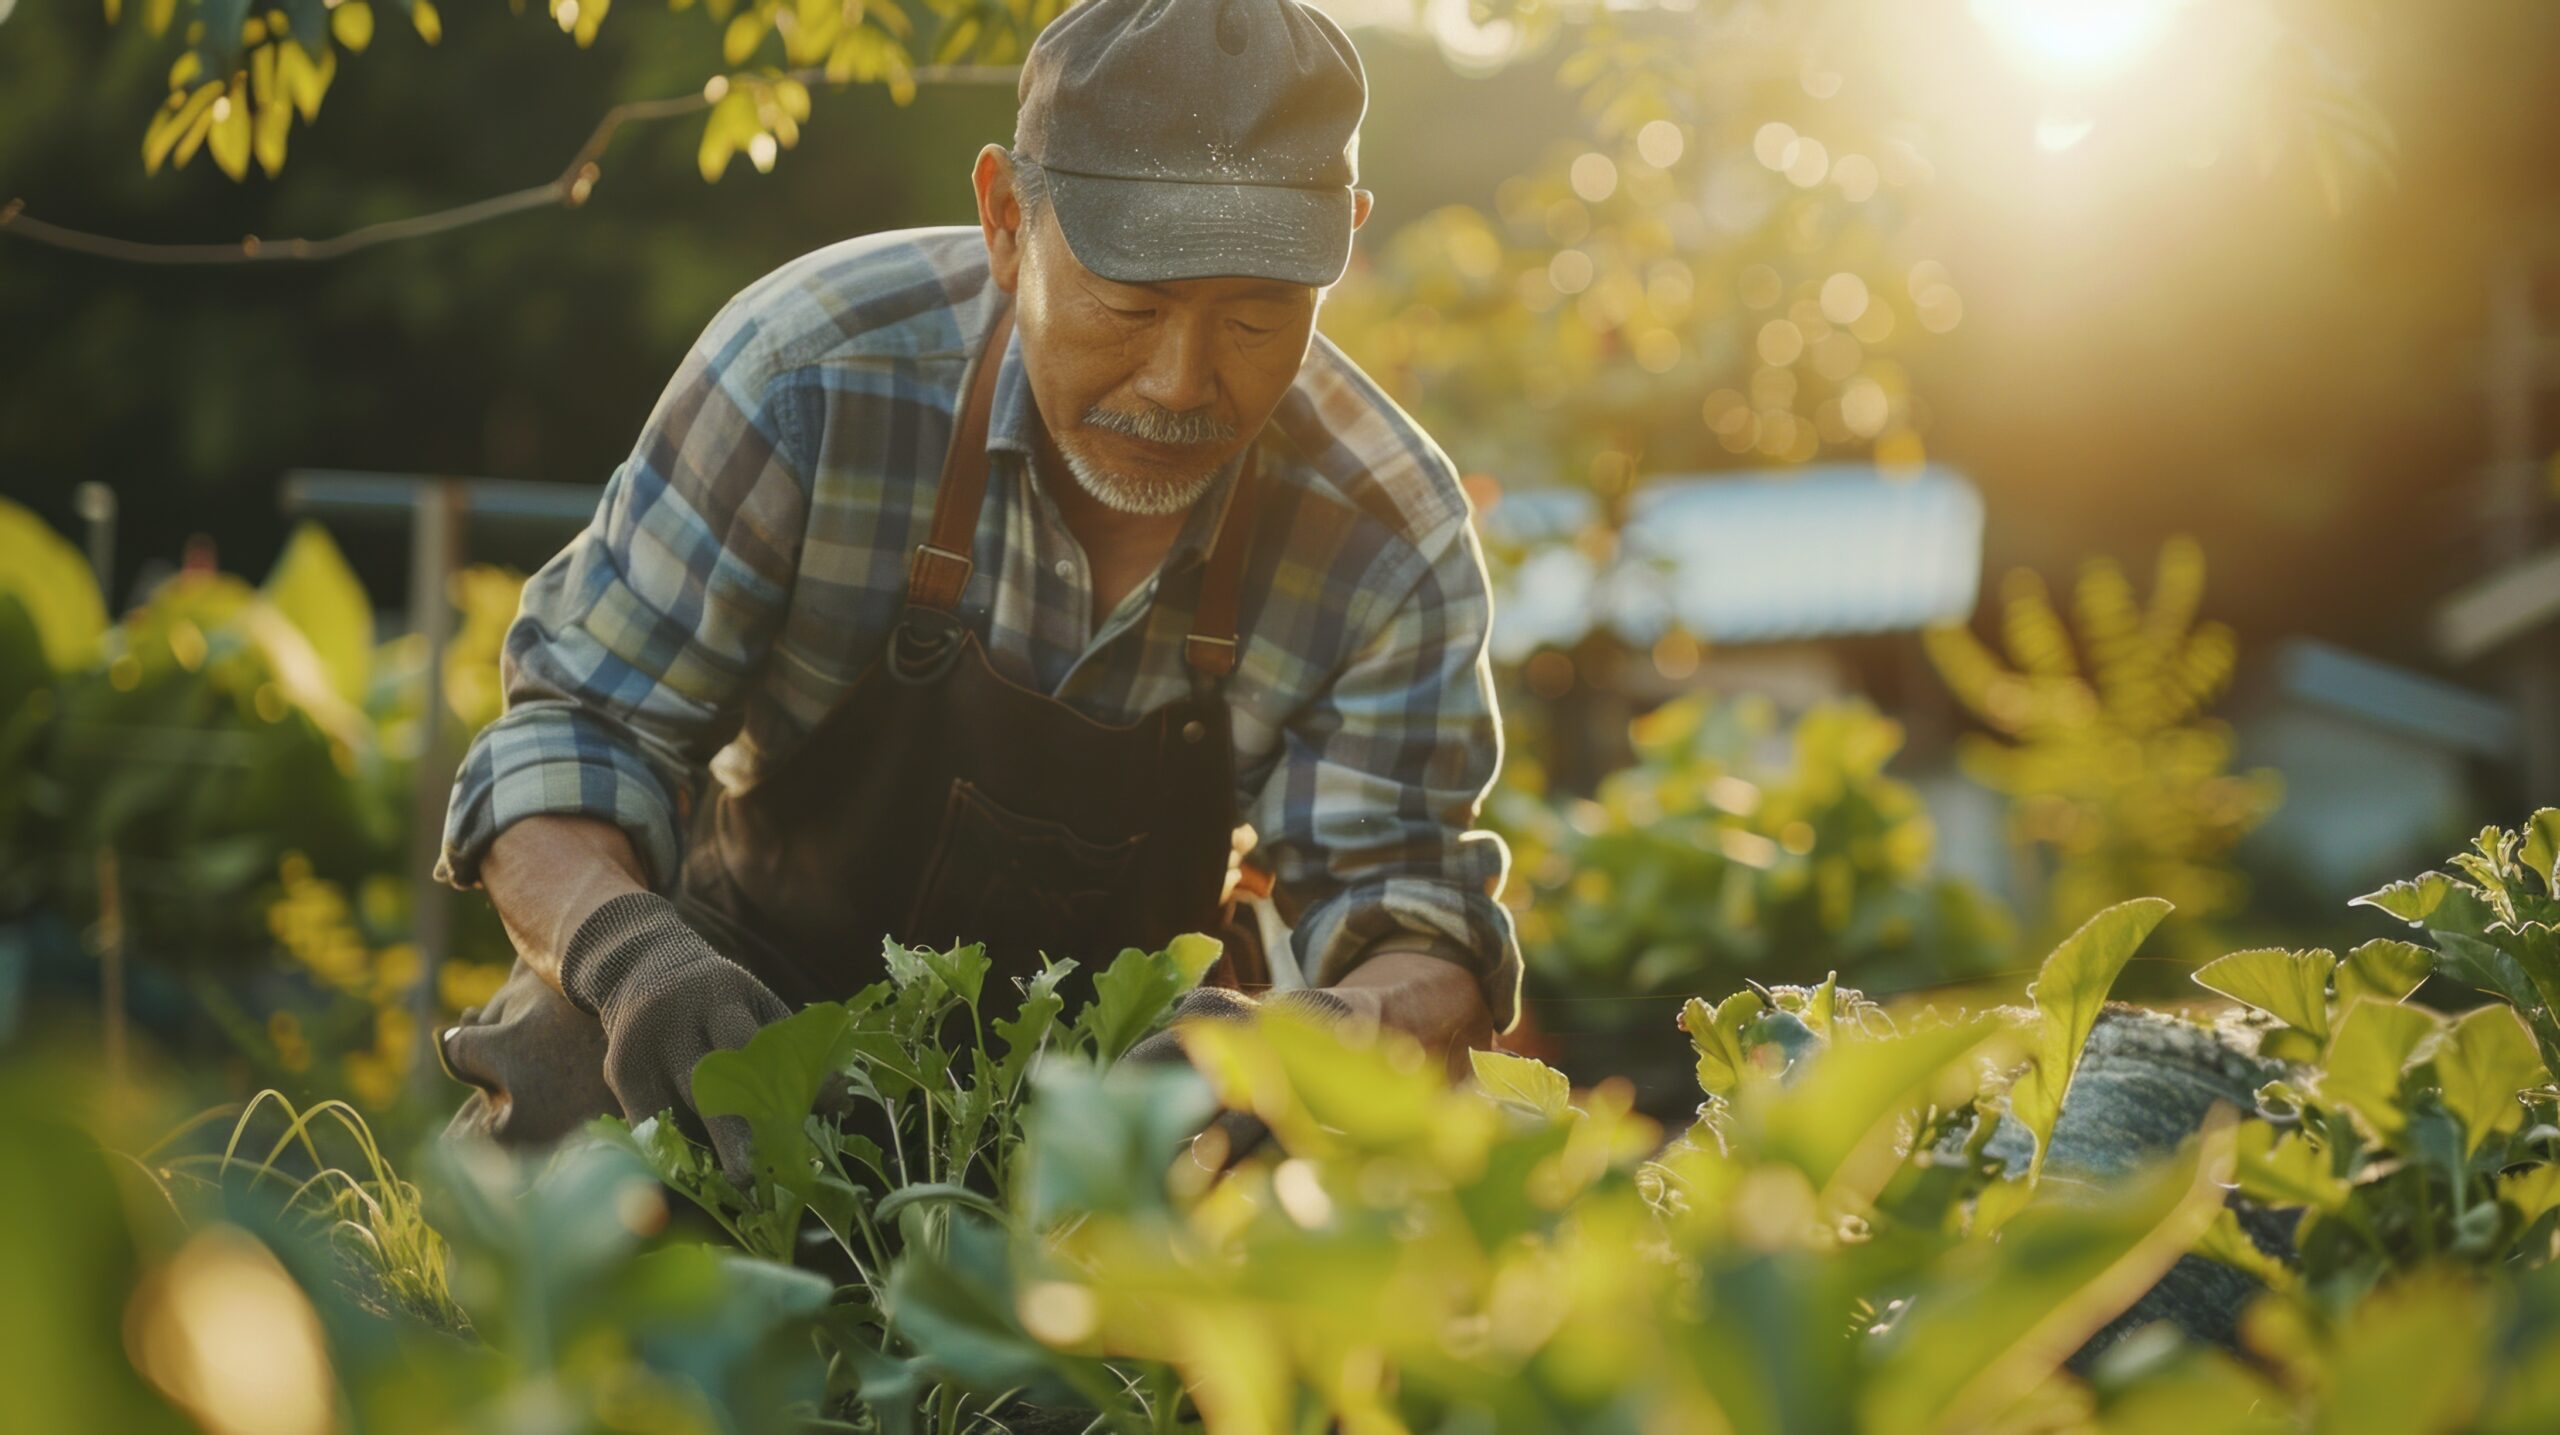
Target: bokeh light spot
x=1776 y=145
x=1593 y=176
x=1660 y=143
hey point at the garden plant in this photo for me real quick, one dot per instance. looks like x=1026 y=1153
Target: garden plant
x=966 y=1213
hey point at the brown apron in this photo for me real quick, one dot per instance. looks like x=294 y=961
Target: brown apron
x=937 y=802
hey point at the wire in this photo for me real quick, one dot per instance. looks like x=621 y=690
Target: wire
x=569 y=190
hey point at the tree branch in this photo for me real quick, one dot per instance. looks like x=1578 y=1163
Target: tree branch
x=569 y=190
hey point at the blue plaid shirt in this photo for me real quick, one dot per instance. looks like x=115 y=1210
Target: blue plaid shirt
x=749 y=561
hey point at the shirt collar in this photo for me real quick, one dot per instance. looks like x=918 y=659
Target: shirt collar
x=1013 y=426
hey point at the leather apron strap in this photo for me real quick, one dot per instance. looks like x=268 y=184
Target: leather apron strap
x=939 y=570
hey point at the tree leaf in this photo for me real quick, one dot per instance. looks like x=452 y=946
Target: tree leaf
x=223 y=33
x=352 y=25
x=2068 y=993
x=229 y=137
x=2292 y=987
x=2483 y=1062
x=2384 y=968
x=744 y=34
x=1522 y=1081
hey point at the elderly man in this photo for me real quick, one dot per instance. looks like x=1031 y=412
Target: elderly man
x=1001 y=578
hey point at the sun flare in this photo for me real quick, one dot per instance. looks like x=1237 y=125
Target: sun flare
x=2076 y=42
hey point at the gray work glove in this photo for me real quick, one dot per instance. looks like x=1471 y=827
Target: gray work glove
x=1232 y=1135
x=665 y=999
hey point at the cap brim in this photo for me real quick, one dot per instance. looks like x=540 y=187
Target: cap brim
x=1148 y=231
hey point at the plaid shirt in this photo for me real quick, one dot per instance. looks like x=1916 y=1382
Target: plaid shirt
x=749 y=561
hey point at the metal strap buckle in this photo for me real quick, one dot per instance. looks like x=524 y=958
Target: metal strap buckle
x=927 y=550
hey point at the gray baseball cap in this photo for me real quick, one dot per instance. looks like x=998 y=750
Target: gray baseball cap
x=1194 y=139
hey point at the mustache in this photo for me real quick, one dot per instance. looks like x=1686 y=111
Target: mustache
x=1158 y=424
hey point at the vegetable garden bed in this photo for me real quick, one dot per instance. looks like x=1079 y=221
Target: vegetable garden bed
x=2325 y=1204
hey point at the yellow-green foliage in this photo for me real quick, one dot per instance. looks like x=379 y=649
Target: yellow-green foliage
x=1730 y=851
x=2102 y=743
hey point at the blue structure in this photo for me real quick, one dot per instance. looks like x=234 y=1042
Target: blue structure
x=1790 y=556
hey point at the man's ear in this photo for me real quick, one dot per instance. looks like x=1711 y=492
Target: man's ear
x=999 y=216
x=1360 y=202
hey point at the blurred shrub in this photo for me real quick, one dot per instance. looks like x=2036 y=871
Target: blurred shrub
x=1731 y=852
x=2119 y=784
x=245 y=754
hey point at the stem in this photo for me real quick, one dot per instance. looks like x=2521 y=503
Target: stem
x=897 y=1146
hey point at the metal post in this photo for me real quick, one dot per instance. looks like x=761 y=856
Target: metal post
x=96 y=504
x=435 y=553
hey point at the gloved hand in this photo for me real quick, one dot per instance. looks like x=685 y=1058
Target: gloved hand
x=665 y=999
x=1232 y=1135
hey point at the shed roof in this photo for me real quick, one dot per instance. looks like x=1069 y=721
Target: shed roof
x=1752 y=558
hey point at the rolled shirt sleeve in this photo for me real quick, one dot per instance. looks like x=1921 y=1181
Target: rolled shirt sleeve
x=1367 y=821
x=628 y=662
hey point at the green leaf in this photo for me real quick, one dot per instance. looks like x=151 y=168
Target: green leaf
x=1192 y=955
x=1716 y=1033
x=744 y=34
x=2477 y=963
x=2410 y=901
x=2541 y=851
x=2068 y=993
x=222 y=20
x=773 y=1083
x=958 y=1308
x=1523 y=1082
x=934 y=1194
x=1028 y=1029
x=962 y=970
x=2384 y=968
x=2227 y=1242
x=2409 y=1357
x=318 y=593
x=2275 y=1168
x=1848 y=1105
x=1997 y=1323
x=2292 y=987
x=2373 y=1045
x=2534 y=1192
x=1101 y=1140
x=2483 y=1062
x=50 y=578
x=1132 y=994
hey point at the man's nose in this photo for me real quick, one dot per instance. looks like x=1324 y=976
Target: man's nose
x=1178 y=373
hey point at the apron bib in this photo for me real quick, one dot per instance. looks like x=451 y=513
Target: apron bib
x=937 y=802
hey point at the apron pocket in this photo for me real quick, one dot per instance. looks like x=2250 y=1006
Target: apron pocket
x=1020 y=884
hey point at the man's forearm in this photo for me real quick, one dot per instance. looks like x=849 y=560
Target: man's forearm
x=546 y=874
x=1427 y=996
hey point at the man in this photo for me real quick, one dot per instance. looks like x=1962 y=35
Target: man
x=997 y=576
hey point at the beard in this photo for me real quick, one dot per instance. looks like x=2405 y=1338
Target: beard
x=1151 y=497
